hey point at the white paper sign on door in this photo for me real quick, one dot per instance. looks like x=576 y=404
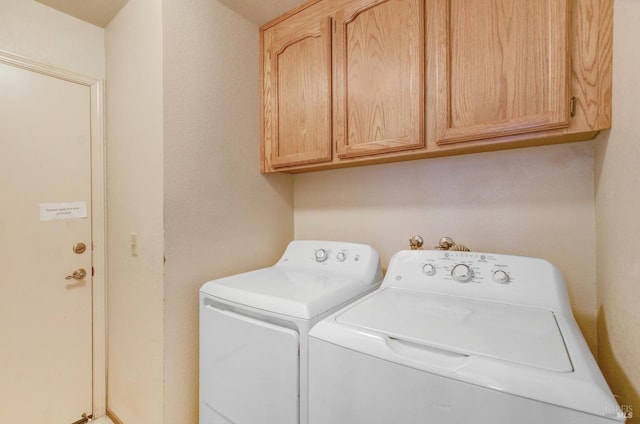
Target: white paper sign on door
x=57 y=211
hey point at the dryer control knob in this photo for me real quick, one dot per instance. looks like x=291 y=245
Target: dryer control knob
x=341 y=256
x=321 y=255
x=500 y=276
x=462 y=273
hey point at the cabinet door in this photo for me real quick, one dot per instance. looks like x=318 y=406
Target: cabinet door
x=297 y=92
x=502 y=67
x=379 y=77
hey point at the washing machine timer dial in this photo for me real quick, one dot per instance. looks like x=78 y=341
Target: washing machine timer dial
x=462 y=273
x=429 y=269
x=501 y=276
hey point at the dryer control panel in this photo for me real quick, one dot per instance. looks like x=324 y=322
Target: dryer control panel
x=488 y=276
x=321 y=255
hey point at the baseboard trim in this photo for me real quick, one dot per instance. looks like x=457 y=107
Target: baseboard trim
x=113 y=417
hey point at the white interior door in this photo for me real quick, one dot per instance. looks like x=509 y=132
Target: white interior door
x=45 y=319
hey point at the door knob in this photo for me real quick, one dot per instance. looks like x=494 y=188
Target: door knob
x=78 y=274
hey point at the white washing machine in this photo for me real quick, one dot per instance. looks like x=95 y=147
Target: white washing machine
x=254 y=330
x=458 y=337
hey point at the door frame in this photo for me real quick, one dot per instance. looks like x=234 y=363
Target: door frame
x=98 y=215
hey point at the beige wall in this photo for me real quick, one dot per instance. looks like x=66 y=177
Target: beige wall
x=30 y=29
x=135 y=205
x=184 y=175
x=221 y=215
x=534 y=202
x=618 y=217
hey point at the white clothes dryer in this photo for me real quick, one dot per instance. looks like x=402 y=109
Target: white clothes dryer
x=254 y=330
x=458 y=337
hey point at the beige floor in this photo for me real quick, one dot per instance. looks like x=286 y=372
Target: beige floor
x=102 y=420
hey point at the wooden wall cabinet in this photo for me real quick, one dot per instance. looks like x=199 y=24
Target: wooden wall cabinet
x=351 y=82
x=297 y=80
x=342 y=80
x=502 y=66
x=378 y=77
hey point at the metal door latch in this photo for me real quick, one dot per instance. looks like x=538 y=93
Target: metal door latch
x=78 y=274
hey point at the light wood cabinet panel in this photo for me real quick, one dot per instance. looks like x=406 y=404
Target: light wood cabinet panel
x=379 y=75
x=503 y=67
x=591 y=59
x=342 y=80
x=352 y=82
x=296 y=92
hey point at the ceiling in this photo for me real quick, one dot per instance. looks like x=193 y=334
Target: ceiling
x=100 y=12
x=261 y=11
x=97 y=12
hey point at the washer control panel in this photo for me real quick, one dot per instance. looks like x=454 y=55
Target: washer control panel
x=491 y=276
x=467 y=267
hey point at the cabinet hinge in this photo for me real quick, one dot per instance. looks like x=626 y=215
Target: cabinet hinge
x=572 y=106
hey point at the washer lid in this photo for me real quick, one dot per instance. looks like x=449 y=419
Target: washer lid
x=519 y=334
x=289 y=292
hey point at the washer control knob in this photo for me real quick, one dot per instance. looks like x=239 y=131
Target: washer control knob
x=429 y=269
x=321 y=255
x=462 y=273
x=341 y=256
x=500 y=276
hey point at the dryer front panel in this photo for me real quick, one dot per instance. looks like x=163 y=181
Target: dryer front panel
x=249 y=369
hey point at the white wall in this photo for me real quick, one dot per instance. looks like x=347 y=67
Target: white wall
x=30 y=29
x=135 y=205
x=221 y=215
x=533 y=202
x=618 y=217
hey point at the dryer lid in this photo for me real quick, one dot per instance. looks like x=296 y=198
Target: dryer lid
x=289 y=292
x=520 y=334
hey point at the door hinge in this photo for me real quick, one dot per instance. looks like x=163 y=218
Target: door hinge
x=85 y=419
x=572 y=106
x=93 y=271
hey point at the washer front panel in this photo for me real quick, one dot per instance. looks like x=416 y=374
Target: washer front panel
x=348 y=387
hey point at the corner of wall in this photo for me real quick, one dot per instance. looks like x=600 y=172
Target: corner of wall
x=135 y=290
x=617 y=154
